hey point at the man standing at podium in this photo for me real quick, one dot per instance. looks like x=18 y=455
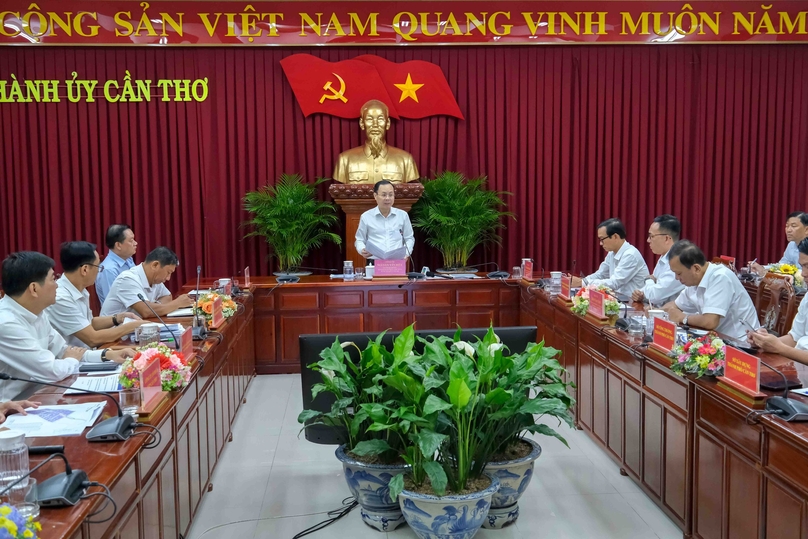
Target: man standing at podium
x=384 y=227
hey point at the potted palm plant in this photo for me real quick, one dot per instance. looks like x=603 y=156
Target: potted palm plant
x=291 y=220
x=458 y=215
x=355 y=384
x=461 y=405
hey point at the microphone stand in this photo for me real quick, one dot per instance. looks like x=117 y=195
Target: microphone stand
x=783 y=407
x=110 y=430
x=173 y=336
x=410 y=274
x=62 y=489
x=199 y=331
x=329 y=270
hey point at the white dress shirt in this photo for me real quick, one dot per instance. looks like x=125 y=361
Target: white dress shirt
x=666 y=287
x=386 y=232
x=721 y=292
x=71 y=313
x=791 y=255
x=113 y=266
x=31 y=348
x=624 y=271
x=799 y=328
x=125 y=289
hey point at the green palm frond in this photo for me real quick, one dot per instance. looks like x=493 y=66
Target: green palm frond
x=290 y=218
x=458 y=214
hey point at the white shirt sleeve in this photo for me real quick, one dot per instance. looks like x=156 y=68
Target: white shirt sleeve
x=665 y=287
x=629 y=266
x=799 y=328
x=22 y=352
x=162 y=292
x=128 y=289
x=602 y=273
x=66 y=318
x=361 y=235
x=409 y=237
x=685 y=302
x=718 y=296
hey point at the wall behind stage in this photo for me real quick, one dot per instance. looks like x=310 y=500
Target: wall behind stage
x=717 y=135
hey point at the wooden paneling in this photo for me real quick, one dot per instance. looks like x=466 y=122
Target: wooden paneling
x=387 y=298
x=476 y=297
x=432 y=298
x=599 y=402
x=789 y=461
x=337 y=300
x=729 y=424
x=168 y=502
x=130 y=528
x=299 y=300
x=183 y=481
x=676 y=464
x=590 y=337
x=265 y=327
x=508 y=317
x=151 y=510
x=430 y=320
x=743 y=488
x=633 y=428
x=666 y=385
x=708 y=488
x=473 y=318
x=291 y=328
x=382 y=320
x=585 y=374
x=624 y=360
x=652 y=445
x=344 y=323
x=122 y=492
x=615 y=411
x=785 y=513
x=509 y=296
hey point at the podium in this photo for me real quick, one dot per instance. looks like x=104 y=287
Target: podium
x=355 y=199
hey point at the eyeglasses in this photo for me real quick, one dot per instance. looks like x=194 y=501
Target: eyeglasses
x=99 y=266
x=386 y=195
x=601 y=240
x=655 y=235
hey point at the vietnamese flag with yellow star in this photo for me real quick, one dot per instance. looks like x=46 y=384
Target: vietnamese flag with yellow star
x=418 y=89
x=336 y=88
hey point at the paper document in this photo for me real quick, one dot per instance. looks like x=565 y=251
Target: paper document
x=103 y=373
x=378 y=252
x=104 y=384
x=463 y=276
x=188 y=311
x=56 y=420
x=193 y=293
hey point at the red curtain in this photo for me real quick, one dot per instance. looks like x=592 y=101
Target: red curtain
x=717 y=135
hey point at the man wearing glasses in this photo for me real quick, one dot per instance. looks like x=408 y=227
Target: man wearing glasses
x=29 y=346
x=794 y=344
x=662 y=286
x=71 y=315
x=624 y=269
x=384 y=226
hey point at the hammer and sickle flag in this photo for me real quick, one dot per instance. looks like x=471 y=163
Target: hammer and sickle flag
x=336 y=88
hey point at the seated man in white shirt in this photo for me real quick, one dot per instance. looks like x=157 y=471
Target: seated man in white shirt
x=662 y=286
x=624 y=269
x=122 y=247
x=386 y=227
x=793 y=345
x=714 y=298
x=147 y=280
x=29 y=346
x=71 y=314
x=796 y=231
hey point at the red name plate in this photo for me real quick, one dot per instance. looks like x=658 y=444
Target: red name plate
x=187 y=344
x=390 y=268
x=730 y=259
x=247 y=277
x=566 y=285
x=597 y=303
x=664 y=334
x=151 y=387
x=527 y=271
x=742 y=371
x=217 y=318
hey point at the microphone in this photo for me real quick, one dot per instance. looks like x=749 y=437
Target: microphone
x=110 y=430
x=199 y=331
x=410 y=274
x=173 y=336
x=62 y=489
x=783 y=407
x=433 y=274
x=329 y=270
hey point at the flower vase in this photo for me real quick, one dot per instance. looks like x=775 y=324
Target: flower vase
x=447 y=517
x=514 y=477
x=369 y=485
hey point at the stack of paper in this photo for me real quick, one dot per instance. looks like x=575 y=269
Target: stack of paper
x=104 y=384
x=56 y=420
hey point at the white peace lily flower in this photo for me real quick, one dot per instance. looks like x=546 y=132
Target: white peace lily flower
x=345 y=345
x=465 y=347
x=497 y=338
x=492 y=348
x=329 y=374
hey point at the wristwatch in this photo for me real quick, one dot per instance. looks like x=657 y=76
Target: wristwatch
x=684 y=321
x=104 y=355
x=115 y=320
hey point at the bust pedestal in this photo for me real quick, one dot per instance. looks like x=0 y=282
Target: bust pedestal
x=355 y=199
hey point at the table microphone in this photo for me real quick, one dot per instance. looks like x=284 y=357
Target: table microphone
x=783 y=407
x=199 y=331
x=110 y=430
x=410 y=274
x=62 y=489
x=173 y=336
x=433 y=274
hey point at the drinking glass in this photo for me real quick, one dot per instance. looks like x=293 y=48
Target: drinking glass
x=130 y=401
x=359 y=273
x=516 y=272
x=23 y=497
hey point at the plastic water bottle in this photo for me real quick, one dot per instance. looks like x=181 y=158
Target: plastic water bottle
x=347 y=270
x=13 y=458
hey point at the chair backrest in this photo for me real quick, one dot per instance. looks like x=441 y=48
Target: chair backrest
x=776 y=304
x=722 y=261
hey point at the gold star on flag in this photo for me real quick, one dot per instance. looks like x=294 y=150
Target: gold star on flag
x=408 y=89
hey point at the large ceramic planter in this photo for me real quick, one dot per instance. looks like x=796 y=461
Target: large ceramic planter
x=447 y=517
x=514 y=477
x=369 y=484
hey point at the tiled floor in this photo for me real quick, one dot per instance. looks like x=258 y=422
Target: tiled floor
x=272 y=484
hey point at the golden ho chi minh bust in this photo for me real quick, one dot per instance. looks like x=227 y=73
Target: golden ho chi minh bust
x=375 y=160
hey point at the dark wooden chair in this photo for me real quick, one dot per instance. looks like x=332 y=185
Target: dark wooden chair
x=777 y=303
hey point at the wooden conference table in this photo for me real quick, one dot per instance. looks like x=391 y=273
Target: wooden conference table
x=685 y=442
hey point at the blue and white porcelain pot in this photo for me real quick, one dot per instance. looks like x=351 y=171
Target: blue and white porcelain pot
x=369 y=484
x=447 y=517
x=514 y=477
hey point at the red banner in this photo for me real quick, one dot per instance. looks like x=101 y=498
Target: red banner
x=79 y=22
